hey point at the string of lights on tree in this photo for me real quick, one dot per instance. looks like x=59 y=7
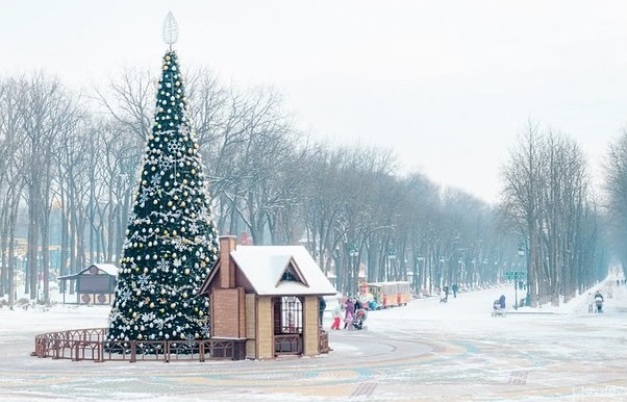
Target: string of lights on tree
x=171 y=240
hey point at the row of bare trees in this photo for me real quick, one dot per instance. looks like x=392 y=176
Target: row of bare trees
x=548 y=203
x=615 y=169
x=68 y=171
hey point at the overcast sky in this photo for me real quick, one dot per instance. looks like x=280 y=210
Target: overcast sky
x=448 y=85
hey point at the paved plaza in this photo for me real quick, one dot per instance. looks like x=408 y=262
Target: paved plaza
x=426 y=351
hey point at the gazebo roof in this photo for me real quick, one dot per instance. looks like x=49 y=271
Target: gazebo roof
x=266 y=267
x=108 y=269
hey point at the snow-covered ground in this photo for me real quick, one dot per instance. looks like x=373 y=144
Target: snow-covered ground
x=426 y=351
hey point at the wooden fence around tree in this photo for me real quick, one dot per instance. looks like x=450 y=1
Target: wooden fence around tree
x=91 y=344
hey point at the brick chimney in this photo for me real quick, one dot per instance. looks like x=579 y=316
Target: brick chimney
x=227 y=266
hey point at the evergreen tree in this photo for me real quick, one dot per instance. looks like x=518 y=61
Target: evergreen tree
x=171 y=241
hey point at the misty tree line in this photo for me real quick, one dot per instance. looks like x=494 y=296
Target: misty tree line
x=548 y=201
x=69 y=165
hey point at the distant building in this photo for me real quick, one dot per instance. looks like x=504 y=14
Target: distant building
x=94 y=285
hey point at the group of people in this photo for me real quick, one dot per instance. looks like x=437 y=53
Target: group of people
x=446 y=290
x=353 y=313
x=499 y=304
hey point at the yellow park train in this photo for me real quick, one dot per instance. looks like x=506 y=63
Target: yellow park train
x=389 y=294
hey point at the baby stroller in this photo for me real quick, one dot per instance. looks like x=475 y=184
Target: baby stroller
x=498 y=307
x=360 y=317
x=598 y=301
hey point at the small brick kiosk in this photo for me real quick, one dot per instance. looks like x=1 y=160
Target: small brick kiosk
x=269 y=297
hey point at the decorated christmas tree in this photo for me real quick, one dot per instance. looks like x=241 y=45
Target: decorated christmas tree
x=171 y=241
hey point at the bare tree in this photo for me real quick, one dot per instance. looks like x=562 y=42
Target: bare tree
x=47 y=111
x=121 y=157
x=545 y=201
x=263 y=145
x=130 y=101
x=10 y=181
x=73 y=177
x=564 y=202
x=615 y=186
x=522 y=197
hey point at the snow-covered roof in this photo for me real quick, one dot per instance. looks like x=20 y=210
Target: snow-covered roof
x=109 y=269
x=264 y=266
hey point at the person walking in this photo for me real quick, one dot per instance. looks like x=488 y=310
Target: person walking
x=502 y=302
x=444 y=295
x=337 y=316
x=349 y=312
x=348 y=322
x=322 y=305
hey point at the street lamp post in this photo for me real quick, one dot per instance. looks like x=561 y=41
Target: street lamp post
x=525 y=269
x=354 y=254
x=442 y=273
x=459 y=274
x=521 y=254
x=354 y=263
x=339 y=273
x=391 y=259
x=416 y=277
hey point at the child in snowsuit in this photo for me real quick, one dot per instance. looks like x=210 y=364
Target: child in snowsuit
x=348 y=321
x=337 y=314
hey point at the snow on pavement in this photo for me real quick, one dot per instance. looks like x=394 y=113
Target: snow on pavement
x=424 y=351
